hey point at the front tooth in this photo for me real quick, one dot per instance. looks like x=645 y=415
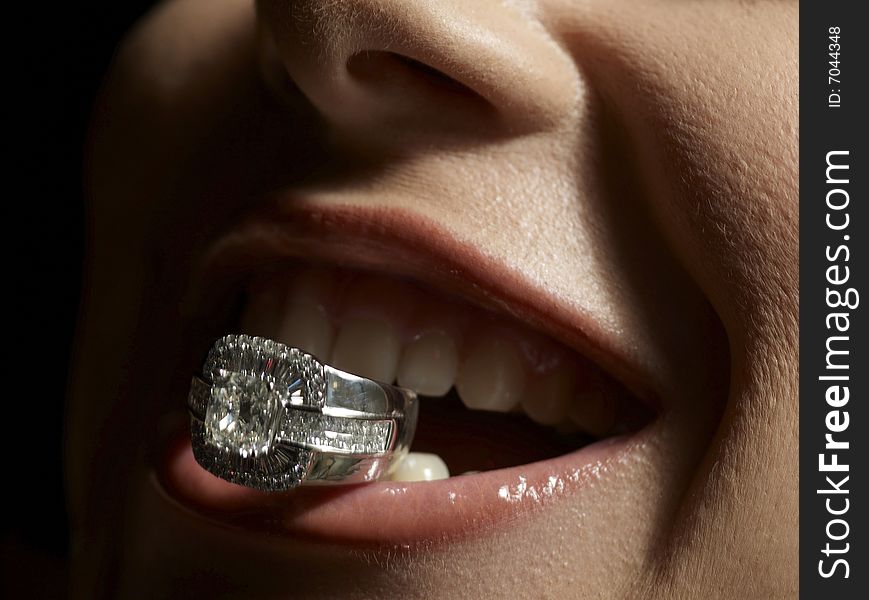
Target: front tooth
x=428 y=363
x=270 y=297
x=306 y=325
x=548 y=401
x=421 y=466
x=593 y=412
x=492 y=377
x=367 y=345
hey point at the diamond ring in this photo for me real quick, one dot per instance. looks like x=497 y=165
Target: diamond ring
x=271 y=417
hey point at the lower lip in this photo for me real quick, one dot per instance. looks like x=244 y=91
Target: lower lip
x=395 y=513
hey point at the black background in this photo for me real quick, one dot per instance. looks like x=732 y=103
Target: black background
x=56 y=55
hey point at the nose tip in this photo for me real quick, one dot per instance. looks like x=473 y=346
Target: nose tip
x=399 y=69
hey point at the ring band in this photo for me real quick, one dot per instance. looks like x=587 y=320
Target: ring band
x=272 y=417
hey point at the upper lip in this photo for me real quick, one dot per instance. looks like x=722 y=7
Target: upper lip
x=403 y=243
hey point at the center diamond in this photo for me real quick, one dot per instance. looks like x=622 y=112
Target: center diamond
x=242 y=414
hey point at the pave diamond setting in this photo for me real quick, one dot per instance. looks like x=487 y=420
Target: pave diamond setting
x=336 y=434
x=296 y=377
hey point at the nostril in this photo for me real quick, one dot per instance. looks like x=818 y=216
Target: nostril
x=388 y=73
x=432 y=75
x=403 y=74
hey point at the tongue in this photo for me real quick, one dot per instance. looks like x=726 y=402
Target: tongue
x=481 y=441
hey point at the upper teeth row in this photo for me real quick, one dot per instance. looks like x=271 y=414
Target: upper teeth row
x=391 y=331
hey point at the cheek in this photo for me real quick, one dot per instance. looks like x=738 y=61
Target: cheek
x=708 y=93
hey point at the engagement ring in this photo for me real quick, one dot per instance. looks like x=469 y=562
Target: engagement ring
x=271 y=417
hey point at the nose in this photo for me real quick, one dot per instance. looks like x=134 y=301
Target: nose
x=393 y=71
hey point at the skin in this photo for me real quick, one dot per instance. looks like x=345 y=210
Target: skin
x=635 y=160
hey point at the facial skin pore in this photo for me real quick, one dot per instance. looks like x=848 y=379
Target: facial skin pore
x=636 y=161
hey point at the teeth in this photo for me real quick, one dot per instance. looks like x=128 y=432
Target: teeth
x=593 y=412
x=492 y=376
x=548 y=401
x=367 y=345
x=387 y=330
x=421 y=466
x=295 y=315
x=428 y=364
x=306 y=325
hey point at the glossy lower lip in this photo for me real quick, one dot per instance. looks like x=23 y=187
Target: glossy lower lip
x=396 y=513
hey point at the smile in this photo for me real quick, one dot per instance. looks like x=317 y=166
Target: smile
x=511 y=417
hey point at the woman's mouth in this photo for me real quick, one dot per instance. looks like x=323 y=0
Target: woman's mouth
x=510 y=417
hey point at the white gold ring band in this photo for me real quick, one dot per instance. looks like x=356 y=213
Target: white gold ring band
x=272 y=417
